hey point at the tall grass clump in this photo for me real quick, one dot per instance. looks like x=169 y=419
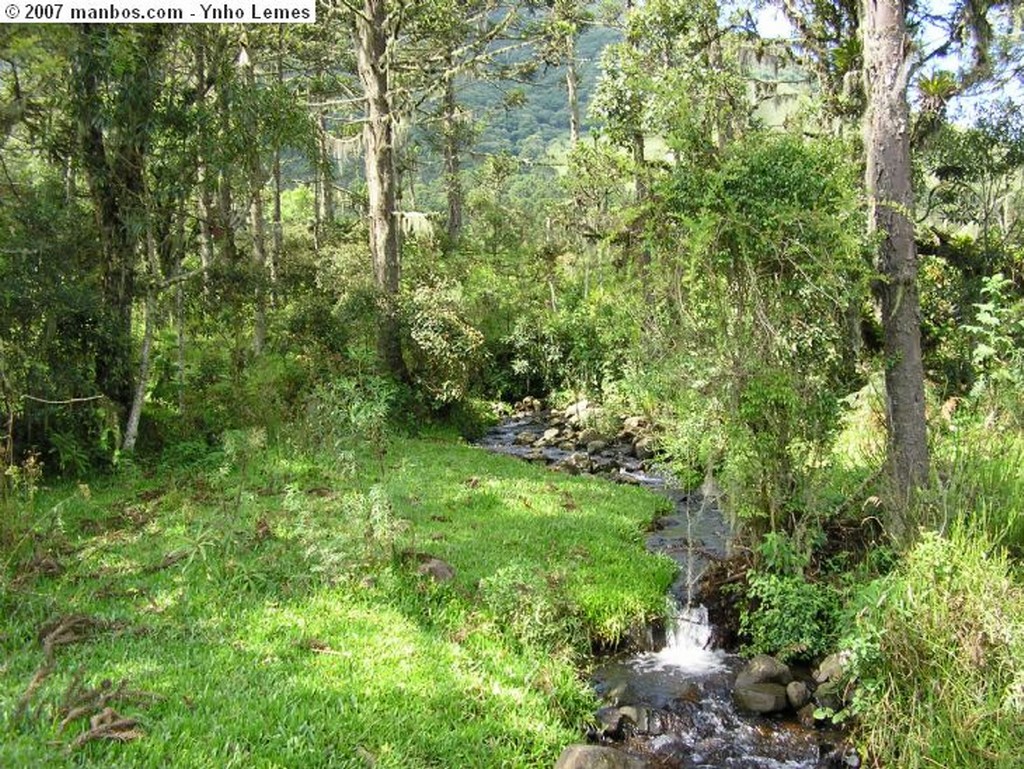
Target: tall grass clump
x=938 y=656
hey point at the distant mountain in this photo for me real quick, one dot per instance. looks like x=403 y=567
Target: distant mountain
x=529 y=129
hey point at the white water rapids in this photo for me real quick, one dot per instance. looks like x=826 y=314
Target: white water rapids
x=688 y=644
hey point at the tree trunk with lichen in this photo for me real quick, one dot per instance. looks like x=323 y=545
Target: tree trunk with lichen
x=372 y=27
x=890 y=196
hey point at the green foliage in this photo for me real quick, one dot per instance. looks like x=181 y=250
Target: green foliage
x=938 y=656
x=998 y=330
x=347 y=409
x=445 y=348
x=981 y=462
x=788 y=616
x=534 y=609
x=760 y=241
x=287 y=629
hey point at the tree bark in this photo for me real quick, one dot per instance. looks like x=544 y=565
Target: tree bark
x=452 y=162
x=890 y=199
x=259 y=260
x=114 y=166
x=372 y=28
x=324 y=178
x=206 y=206
x=572 y=83
x=225 y=198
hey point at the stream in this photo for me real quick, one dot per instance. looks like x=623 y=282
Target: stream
x=672 y=705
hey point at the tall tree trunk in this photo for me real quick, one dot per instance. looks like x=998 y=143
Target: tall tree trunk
x=257 y=219
x=325 y=178
x=452 y=161
x=225 y=198
x=371 y=31
x=131 y=430
x=572 y=84
x=114 y=168
x=278 y=233
x=278 y=241
x=207 y=208
x=259 y=260
x=890 y=196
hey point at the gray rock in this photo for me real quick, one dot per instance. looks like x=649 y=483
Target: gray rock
x=635 y=425
x=526 y=438
x=806 y=716
x=638 y=716
x=832 y=668
x=567 y=446
x=644 y=448
x=761 y=698
x=763 y=669
x=596 y=447
x=601 y=464
x=574 y=464
x=437 y=570
x=550 y=435
x=597 y=757
x=830 y=695
x=574 y=413
x=588 y=435
x=798 y=694
x=611 y=721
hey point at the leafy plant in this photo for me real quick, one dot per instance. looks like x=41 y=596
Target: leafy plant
x=938 y=656
x=788 y=616
x=532 y=609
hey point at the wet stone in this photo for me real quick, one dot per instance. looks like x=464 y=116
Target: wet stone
x=805 y=716
x=798 y=694
x=829 y=695
x=644 y=448
x=764 y=669
x=761 y=698
x=526 y=438
x=832 y=667
x=597 y=757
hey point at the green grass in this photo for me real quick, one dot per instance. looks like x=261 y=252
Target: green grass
x=938 y=651
x=264 y=605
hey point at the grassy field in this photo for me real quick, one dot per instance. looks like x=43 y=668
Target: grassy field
x=261 y=607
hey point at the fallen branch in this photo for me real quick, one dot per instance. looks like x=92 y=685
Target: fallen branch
x=108 y=725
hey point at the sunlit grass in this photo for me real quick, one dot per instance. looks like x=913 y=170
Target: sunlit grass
x=268 y=629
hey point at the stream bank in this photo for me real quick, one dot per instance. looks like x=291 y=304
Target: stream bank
x=669 y=700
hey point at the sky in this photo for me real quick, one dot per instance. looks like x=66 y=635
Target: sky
x=771 y=22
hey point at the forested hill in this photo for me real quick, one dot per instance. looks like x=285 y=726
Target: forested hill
x=541 y=119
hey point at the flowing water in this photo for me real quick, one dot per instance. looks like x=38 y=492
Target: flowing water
x=673 y=705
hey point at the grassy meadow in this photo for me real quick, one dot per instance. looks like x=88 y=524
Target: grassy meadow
x=262 y=606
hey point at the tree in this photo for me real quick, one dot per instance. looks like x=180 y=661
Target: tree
x=114 y=162
x=890 y=203
x=374 y=29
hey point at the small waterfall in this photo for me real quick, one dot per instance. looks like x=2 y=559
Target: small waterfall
x=680 y=698
x=688 y=643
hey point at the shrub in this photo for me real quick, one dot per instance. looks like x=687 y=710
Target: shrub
x=790 y=618
x=445 y=347
x=938 y=654
x=755 y=242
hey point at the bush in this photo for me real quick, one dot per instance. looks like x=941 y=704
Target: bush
x=938 y=654
x=445 y=348
x=755 y=242
x=791 y=618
